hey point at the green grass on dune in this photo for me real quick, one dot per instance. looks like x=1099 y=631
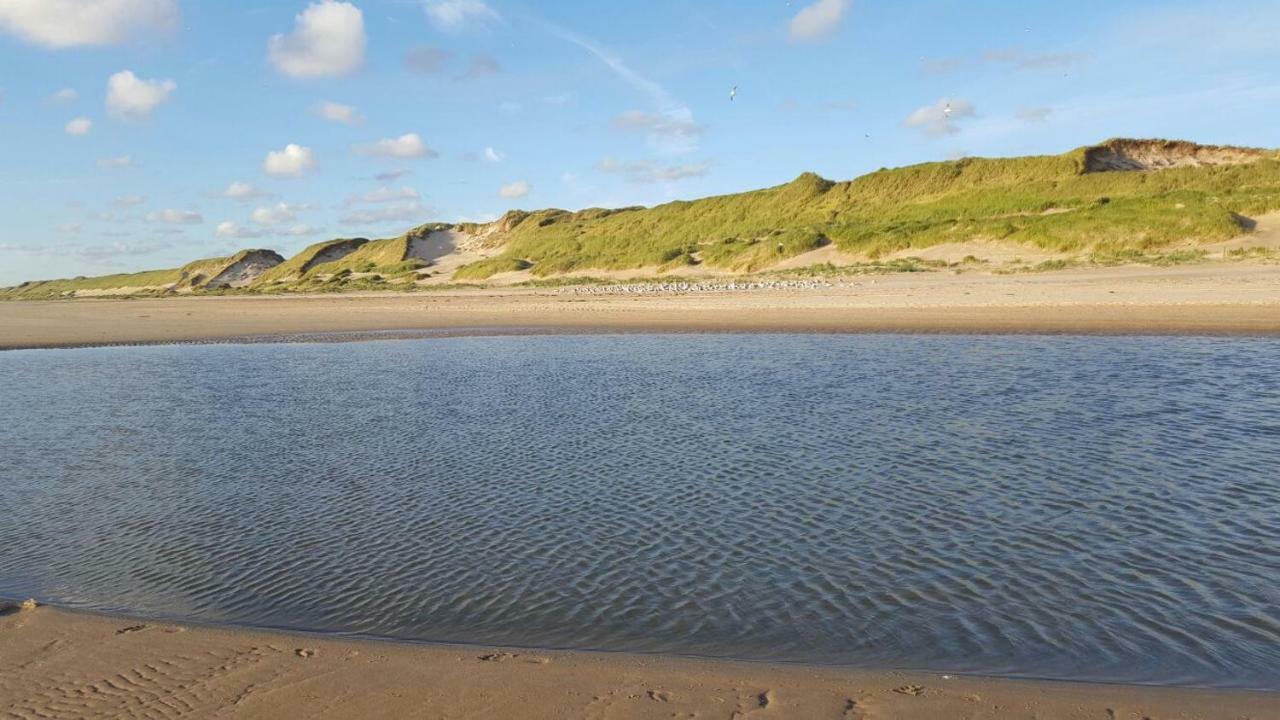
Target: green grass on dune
x=1048 y=202
x=390 y=256
x=192 y=275
x=299 y=264
x=56 y=288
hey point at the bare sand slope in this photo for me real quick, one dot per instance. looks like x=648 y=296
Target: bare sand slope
x=57 y=664
x=1217 y=298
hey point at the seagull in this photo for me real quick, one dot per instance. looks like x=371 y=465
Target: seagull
x=947 y=110
x=733 y=94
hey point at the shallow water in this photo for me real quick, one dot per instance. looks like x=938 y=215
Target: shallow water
x=1083 y=508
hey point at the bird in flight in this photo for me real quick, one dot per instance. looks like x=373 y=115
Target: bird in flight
x=733 y=93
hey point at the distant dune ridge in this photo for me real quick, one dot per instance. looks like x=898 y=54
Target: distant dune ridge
x=1122 y=198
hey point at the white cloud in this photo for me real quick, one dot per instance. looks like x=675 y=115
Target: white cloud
x=328 y=39
x=79 y=126
x=131 y=97
x=277 y=214
x=648 y=172
x=398 y=212
x=819 y=20
x=244 y=192
x=175 y=217
x=339 y=113
x=65 y=95
x=71 y=228
x=940 y=118
x=455 y=14
x=515 y=190
x=229 y=229
x=124 y=161
x=409 y=145
x=74 y=23
x=493 y=156
x=384 y=195
x=292 y=160
x=128 y=201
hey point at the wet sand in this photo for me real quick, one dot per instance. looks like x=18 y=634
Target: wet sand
x=1208 y=299
x=60 y=664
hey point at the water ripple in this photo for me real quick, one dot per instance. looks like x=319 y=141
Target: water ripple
x=1084 y=508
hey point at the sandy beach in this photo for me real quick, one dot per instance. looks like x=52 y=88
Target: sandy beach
x=60 y=664
x=1218 y=298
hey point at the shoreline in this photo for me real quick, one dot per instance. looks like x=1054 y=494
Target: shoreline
x=72 y=663
x=1235 y=301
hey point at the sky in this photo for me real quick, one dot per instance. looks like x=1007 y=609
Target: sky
x=140 y=134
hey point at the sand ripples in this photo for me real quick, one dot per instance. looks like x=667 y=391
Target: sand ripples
x=1086 y=508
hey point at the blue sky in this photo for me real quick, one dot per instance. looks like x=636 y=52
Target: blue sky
x=146 y=133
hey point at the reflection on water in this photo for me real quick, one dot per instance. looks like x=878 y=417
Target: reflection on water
x=1089 y=508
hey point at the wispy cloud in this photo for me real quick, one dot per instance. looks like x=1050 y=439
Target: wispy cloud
x=1014 y=59
x=383 y=195
x=457 y=14
x=339 y=113
x=411 y=211
x=515 y=190
x=407 y=146
x=103 y=255
x=243 y=192
x=645 y=173
x=674 y=112
x=175 y=217
x=392 y=175
x=123 y=161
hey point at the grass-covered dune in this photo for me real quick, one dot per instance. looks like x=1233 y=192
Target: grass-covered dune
x=1123 y=198
x=209 y=273
x=313 y=255
x=1122 y=195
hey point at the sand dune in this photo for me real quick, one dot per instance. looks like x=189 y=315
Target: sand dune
x=59 y=664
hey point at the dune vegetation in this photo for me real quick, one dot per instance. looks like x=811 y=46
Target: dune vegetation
x=1121 y=201
x=1057 y=203
x=194 y=276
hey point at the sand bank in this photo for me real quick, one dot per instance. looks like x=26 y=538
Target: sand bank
x=59 y=664
x=1212 y=299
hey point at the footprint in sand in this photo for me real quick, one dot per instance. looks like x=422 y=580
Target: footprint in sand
x=505 y=656
x=758 y=703
x=913 y=690
x=131 y=629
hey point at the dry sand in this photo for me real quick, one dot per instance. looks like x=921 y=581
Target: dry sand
x=59 y=664
x=1215 y=298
